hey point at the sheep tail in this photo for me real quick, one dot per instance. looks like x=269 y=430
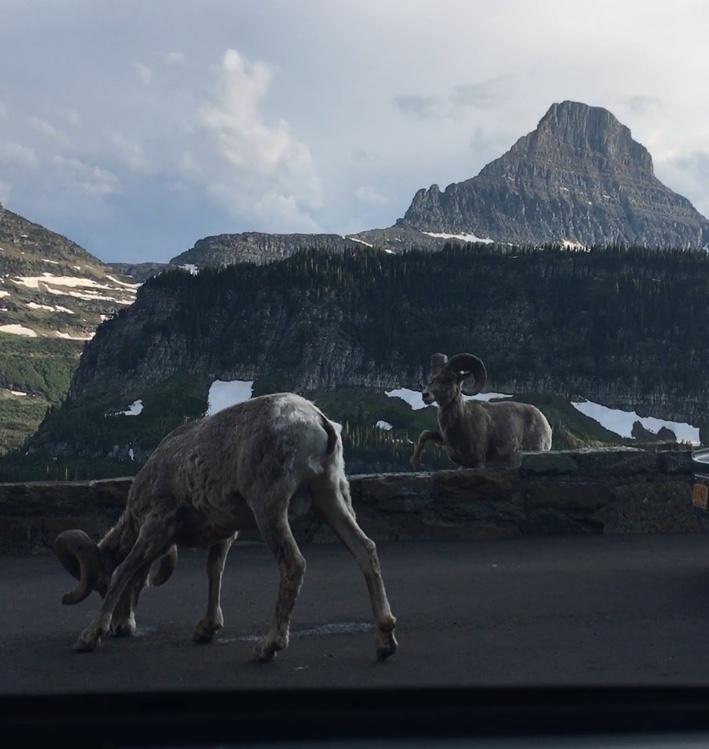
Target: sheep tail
x=332 y=434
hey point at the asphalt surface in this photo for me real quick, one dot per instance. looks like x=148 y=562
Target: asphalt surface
x=579 y=611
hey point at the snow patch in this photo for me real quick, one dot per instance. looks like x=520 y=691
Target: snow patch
x=69 y=337
x=4 y=293
x=32 y=282
x=415 y=400
x=133 y=410
x=89 y=296
x=193 y=269
x=621 y=422
x=17 y=392
x=223 y=394
x=18 y=330
x=383 y=425
x=123 y=283
x=412 y=397
x=34 y=305
x=462 y=237
x=361 y=241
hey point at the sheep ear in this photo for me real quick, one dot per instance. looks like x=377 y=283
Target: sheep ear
x=466 y=364
x=468 y=386
x=438 y=361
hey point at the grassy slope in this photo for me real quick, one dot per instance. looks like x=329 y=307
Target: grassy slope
x=40 y=367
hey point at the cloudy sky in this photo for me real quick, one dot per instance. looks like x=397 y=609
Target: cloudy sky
x=136 y=127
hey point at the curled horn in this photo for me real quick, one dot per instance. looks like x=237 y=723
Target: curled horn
x=166 y=568
x=81 y=559
x=464 y=364
x=437 y=363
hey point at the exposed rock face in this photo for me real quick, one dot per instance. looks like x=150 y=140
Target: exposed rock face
x=256 y=247
x=260 y=248
x=52 y=287
x=578 y=178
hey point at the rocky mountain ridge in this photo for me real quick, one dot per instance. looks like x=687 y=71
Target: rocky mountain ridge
x=53 y=296
x=52 y=287
x=578 y=178
x=546 y=322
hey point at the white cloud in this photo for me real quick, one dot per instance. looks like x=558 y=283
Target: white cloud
x=174 y=58
x=268 y=169
x=298 y=128
x=89 y=178
x=15 y=155
x=5 y=190
x=45 y=128
x=129 y=152
x=454 y=104
x=70 y=115
x=370 y=195
x=144 y=72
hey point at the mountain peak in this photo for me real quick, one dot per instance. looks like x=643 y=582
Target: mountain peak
x=578 y=177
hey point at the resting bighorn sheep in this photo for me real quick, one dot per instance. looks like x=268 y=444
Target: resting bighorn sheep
x=474 y=433
x=257 y=462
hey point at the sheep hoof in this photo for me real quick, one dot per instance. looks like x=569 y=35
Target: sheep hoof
x=263 y=656
x=125 y=629
x=203 y=636
x=85 y=646
x=266 y=649
x=388 y=648
x=207 y=628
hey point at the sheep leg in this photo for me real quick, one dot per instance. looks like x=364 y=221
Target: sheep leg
x=144 y=552
x=213 y=620
x=123 y=619
x=334 y=503
x=279 y=539
x=424 y=437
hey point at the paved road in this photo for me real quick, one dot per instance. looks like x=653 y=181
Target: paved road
x=588 y=610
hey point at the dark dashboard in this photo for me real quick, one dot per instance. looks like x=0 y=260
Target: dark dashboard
x=503 y=718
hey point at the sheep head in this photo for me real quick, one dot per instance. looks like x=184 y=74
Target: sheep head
x=447 y=376
x=82 y=559
x=93 y=566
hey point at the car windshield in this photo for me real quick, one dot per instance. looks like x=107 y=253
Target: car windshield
x=367 y=338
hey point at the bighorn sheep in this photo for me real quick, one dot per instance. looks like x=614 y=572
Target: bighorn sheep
x=474 y=433
x=256 y=463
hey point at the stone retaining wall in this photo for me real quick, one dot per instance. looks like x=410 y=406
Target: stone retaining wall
x=619 y=490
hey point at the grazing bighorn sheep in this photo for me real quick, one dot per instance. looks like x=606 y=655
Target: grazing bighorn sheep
x=474 y=433
x=255 y=463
